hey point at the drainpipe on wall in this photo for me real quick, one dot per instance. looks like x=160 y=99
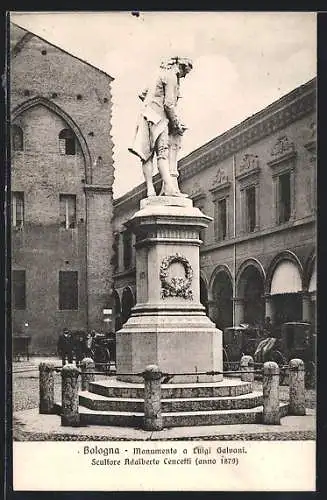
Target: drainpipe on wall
x=234 y=236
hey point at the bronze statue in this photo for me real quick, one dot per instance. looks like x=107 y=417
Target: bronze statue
x=159 y=130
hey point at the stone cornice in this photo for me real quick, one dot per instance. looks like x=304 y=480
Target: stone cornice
x=288 y=226
x=270 y=120
x=220 y=188
x=247 y=174
x=288 y=156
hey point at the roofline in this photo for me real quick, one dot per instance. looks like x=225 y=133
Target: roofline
x=247 y=121
x=191 y=157
x=65 y=51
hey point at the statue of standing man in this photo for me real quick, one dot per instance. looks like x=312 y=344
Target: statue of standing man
x=159 y=130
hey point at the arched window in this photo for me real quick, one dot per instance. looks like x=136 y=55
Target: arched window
x=67 y=143
x=17 y=138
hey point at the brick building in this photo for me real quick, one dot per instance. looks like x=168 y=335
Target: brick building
x=258 y=183
x=61 y=190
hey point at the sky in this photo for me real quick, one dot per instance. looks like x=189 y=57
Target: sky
x=242 y=62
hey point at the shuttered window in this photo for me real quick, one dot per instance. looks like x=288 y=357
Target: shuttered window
x=68 y=290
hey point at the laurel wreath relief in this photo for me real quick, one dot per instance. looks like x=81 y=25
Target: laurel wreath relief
x=176 y=286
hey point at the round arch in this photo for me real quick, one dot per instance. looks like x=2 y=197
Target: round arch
x=222 y=298
x=127 y=303
x=250 y=287
x=219 y=269
x=252 y=264
x=204 y=293
x=285 y=285
x=70 y=122
x=287 y=255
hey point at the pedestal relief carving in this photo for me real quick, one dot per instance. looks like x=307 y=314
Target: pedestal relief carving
x=177 y=286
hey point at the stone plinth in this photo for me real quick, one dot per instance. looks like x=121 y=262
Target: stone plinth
x=168 y=326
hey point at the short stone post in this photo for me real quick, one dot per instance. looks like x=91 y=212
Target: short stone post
x=152 y=398
x=46 y=388
x=247 y=369
x=87 y=369
x=69 y=398
x=297 y=388
x=271 y=414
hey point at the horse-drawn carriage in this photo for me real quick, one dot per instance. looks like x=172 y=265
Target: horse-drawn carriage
x=296 y=340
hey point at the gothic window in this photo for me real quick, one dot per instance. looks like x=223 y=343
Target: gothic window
x=67 y=211
x=67 y=142
x=17 y=138
x=17 y=209
x=68 y=290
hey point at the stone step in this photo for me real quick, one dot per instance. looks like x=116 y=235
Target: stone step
x=103 y=403
x=113 y=388
x=177 y=419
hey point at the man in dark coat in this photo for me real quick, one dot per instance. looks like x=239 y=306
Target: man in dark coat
x=65 y=346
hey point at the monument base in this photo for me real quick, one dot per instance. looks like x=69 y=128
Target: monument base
x=178 y=342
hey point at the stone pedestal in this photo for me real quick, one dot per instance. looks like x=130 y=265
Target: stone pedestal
x=168 y=326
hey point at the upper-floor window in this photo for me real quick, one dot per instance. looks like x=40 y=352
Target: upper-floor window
x=67 y=211
x=68 y=290
x=17 y=208
x=284 y=197
x=127 y=249
x=19 y=289
x=17 y=138
x=221 y=219
x=250 y=209
x=67 y=142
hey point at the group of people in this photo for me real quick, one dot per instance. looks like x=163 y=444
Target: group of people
x=70 y=347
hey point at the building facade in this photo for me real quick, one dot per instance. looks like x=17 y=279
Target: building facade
x=61 y=191
x=258 y=183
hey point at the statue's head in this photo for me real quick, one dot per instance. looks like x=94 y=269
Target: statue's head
x=183 y=64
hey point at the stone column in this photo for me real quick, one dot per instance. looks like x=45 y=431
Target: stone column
x=306 y=306
x=297 y=388
x=247 y=369
x=87 y=376
x=46 y=388
x=238 y=305
x=269 y=311
x=152 y=398
x=271 y=414
x=69 y=396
